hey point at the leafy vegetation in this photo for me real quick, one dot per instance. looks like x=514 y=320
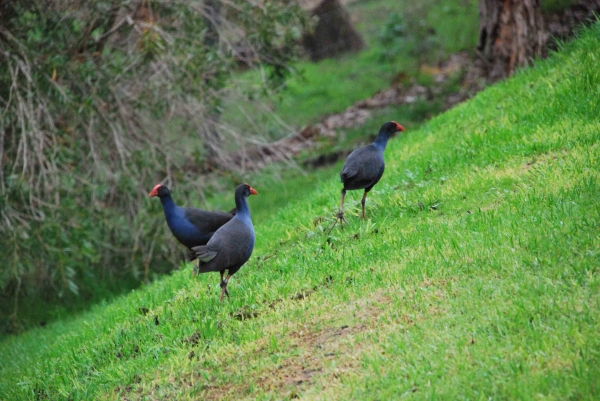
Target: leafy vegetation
x=475 y=275
x=556 y=5
x=94 y=96
x=67 y=237
x=332 y=85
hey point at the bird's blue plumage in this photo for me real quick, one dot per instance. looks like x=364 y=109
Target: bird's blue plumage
x=233 y=243
x=185 y=232
x=381 y=142
x=190 y=226
x=243 y=212
x=243 y=215
x=364 y=167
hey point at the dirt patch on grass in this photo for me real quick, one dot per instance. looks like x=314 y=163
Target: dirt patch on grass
x=321 y=353
x=316 y=349
x=324 y=356
x=314 y=353
x=318 y=354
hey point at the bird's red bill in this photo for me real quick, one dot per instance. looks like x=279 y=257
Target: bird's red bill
x=154 y=191
x=253 y=191
x=399 y=127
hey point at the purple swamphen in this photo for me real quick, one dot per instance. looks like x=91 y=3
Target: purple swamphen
x=232 y=244
x=364 y=166
x=190 y=226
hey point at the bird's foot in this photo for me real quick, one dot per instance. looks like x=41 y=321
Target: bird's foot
x=339 y=217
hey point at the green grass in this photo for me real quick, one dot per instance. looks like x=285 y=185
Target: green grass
x=326 y=87
x=475 y=275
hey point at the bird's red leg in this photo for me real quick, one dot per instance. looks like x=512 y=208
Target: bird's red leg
x=362 y=202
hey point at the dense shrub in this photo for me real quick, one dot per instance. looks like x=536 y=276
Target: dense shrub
x=99 y=101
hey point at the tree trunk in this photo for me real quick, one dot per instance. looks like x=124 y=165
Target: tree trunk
x=334 y=33
x=511 y=34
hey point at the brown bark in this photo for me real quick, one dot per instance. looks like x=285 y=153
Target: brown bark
x=334 y=33
x=511 y=35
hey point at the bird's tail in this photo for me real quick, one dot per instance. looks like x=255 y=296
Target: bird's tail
x=203 y=254
x=192 y=255
x=347 y=173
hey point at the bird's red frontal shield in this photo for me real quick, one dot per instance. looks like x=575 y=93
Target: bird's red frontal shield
x=154 y=191
x=399 y=127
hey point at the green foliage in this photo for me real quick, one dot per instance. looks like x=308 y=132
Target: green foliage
x=556 y=5
x=411 y=36
x=92 y=99
x=393 y=36
x=428 y=30
x=332 y=85
x=475 y=275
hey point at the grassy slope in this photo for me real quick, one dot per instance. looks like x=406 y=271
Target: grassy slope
x=328 y=86
x=475 y=275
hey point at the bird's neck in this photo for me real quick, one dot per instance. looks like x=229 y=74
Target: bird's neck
x=381 y=141
x=242 y=209
x=168 y=205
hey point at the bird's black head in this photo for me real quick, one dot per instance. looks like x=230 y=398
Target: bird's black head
x=390 y=128
x=160 y=191
x=244 y=190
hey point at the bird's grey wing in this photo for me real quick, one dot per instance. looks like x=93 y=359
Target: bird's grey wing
x=206 y=253
x=348 y=172
x=228 y=247
x=239 y=248
x=205 y=221
x=236 y=240
x=351 y=166
x=362 y=165
x=373 y=169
